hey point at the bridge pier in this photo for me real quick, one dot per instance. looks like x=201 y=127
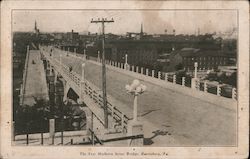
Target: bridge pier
x=89 y=119
x=65 y=91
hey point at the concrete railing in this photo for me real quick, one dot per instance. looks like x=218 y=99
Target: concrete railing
x=89 y=89
x=173 y=79
x=204 y=86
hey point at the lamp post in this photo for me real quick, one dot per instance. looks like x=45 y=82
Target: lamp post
x=135 y=127
x=136 y=88
x=98 y=56
x=194 y=79
x=126 y=62
x=195 y=69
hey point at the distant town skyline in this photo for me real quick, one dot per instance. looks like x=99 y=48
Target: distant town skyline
x=154 y=22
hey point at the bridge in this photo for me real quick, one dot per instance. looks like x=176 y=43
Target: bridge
x=34 y=81
x=172 y=114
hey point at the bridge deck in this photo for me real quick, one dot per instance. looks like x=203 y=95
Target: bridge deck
x=36 y=80
x=185 y=119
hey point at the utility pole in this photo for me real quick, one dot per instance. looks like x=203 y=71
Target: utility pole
x=103 y=21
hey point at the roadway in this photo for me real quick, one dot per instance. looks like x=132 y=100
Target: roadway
x=170 y=118
x=36 y=85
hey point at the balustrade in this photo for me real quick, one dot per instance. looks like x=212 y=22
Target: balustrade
x=183 y=81
x=159 y=75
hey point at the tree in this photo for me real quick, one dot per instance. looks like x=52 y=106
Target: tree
x=179 y=67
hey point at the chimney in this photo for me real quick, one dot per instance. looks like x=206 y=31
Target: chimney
x=174 y=31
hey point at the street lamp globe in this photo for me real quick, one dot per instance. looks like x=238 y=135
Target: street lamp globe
x=135 y=89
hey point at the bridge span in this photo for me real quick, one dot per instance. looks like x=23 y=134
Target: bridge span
x=172 y=114
x=34 y=79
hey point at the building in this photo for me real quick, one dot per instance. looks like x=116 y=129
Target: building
x=228 y=70
x=136 y=36
x=71 y=36
x=206 y=59
x=139 y=52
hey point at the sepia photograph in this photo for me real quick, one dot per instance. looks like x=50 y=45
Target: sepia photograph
x=121 y=77
x=88 y=78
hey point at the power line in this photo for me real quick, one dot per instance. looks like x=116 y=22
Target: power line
x=103 y=21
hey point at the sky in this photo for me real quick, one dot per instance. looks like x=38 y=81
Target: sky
x=154 y=21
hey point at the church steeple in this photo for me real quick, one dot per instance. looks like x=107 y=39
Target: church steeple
x=36 y=30
x=141 y=33
x=35 y=26
x=141 y=28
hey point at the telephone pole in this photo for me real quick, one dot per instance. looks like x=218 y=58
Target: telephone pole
x=103 y=21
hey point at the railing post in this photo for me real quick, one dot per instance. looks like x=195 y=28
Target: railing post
x=174 y=78
x=142 y=70
x=234 y=96
x=183 y=81
x=159 y=75
x=42 y=138
x=146 y=71
x=27 y=139
x=75 y=51
x=84 y=54
x=153 y=73
x=205 y=86
x=166 y=76
x=133 y=68
x=98 y=56
x=218 y=90
x=198 y=84
x=62 y=137
x=52 y=130
x=137 y=69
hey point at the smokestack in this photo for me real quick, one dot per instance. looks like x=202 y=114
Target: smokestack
x=166 y=31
